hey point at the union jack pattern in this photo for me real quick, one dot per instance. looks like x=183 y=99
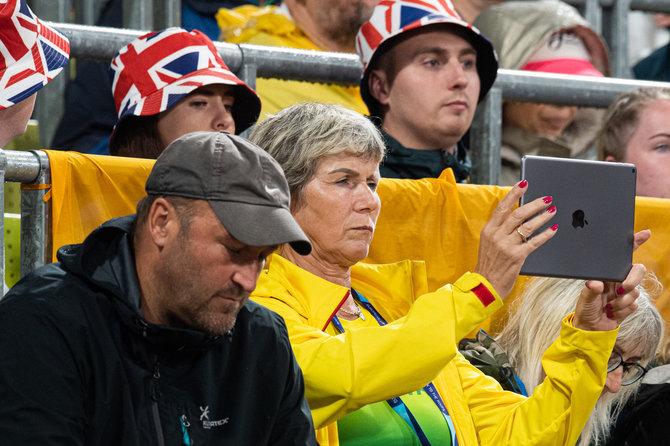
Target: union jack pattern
x=392 y=17
x=31 y=52
x=155 y=71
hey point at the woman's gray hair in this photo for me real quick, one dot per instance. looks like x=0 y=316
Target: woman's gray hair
x=302 y=134
x=535 y=324
x=621 y=119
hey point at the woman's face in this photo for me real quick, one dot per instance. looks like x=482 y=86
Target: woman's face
x=615 y=377
x=541 y=119
x=209 y=107
x=649 y=149
x=15 y=119
x=339 y=208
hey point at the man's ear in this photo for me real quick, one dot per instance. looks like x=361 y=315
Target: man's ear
x=162 y=222
x=379 y=86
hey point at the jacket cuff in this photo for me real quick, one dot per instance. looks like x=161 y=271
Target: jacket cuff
x=480 y=287
x=587 y=340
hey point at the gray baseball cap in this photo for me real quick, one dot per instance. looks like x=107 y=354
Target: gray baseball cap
x=245 y=186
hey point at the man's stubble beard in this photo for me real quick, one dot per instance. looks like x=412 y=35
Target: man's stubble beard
x=186 y=298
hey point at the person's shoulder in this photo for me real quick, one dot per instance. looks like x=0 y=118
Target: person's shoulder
x=49 y=292
x=265 y=327
x=654 y=66
x=257 y=25
x=262 y=318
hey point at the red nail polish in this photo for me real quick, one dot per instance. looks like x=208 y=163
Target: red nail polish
x=608 y=308
x=610 y=315
x=523 y=184
x=547 y=199
x=554 y=228
x=621 y=290
x=552 y=209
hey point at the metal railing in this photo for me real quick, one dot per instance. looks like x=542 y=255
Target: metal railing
x=249 y=61
x=608 y=17
x=28 y=168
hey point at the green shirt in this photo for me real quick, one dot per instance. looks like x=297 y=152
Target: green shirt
x=378 y=424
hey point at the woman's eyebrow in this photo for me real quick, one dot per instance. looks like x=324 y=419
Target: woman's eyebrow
x=344 y=170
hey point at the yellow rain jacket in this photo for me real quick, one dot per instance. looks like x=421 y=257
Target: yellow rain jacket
x=271 y=26
x=347 y=371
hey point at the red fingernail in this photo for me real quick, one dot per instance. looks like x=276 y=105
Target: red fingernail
x=552 y=209
x=621 y=290
x=608 y=308
x=523 y=184
x=547 y=199
x=554 y=228
x=610 y=315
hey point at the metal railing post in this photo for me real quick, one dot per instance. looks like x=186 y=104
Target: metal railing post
x=485 y=139
x=49 y=105
x=248 y=72
x=619 y=39
x=167 y=13
x=138 y=14
x=36 y=240
x=3 y=168
x=594 y=15
x=86 y=11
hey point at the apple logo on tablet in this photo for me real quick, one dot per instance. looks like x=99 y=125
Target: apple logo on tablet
x=578 y=220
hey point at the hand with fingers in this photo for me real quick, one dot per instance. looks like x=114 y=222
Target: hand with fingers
x=604 y=305
x=509 y=237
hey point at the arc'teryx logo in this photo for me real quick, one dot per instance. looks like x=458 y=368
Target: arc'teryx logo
x=206 y=423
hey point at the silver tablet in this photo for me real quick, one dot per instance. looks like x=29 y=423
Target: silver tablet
x=595 y=204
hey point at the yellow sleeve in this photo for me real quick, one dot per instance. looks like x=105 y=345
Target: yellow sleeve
x=370 y=364
x=558 y=409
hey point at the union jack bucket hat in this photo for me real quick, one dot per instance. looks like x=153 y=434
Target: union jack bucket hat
x=31 y=52
x=153 y=72
x=392 y=18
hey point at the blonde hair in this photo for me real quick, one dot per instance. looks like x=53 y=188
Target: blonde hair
x=536 y=324
x=300 y=135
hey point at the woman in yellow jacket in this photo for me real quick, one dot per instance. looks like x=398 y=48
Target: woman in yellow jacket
x=378 y=351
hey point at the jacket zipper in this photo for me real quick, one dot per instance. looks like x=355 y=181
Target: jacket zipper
x=155 y=396
x=185 y=424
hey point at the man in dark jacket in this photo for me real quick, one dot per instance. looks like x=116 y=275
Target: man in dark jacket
x=142 y=334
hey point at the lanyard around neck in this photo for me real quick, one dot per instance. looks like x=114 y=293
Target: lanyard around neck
x=396 y=403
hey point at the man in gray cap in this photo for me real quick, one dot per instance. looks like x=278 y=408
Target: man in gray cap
x=143 y=334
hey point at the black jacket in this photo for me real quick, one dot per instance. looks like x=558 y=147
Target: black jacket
x=401 y=162
x=80 y=366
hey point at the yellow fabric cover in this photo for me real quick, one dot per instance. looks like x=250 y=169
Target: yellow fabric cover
x=434 y=219
x=263 y=26
x=90 y=189
x=346 y=371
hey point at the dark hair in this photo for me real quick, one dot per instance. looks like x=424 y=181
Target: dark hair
x=137 y=137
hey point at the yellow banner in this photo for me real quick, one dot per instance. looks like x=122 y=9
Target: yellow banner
x=433 y=219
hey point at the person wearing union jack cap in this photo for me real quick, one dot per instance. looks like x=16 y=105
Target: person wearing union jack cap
x=424 y=71
x=172 y=82
x=31 y=54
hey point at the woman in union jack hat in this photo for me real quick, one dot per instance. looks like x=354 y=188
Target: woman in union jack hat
x=172 y=82
x=31 y=54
